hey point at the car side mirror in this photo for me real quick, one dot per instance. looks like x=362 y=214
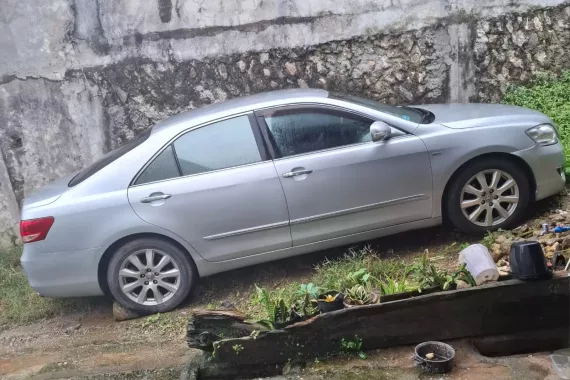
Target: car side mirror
x=380 y=131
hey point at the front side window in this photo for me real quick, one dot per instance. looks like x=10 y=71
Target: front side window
x=304 y=130
x=216 y=146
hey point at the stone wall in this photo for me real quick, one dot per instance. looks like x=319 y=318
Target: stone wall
x=77 y=78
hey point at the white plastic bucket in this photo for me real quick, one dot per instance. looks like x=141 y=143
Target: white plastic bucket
x=479 y=263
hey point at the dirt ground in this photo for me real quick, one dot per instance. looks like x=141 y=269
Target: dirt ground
x=92 y=344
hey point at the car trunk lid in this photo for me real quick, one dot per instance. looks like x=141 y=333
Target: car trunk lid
x=48 y=193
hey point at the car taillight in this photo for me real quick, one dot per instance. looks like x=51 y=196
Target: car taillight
x=35 y=229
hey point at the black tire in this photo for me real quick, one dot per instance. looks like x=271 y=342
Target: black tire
x=453 y=199
x=185 y=282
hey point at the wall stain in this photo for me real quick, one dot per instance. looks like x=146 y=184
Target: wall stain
x=165 y=10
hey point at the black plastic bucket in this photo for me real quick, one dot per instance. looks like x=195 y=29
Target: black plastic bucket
x=527 y=261
x=337 y=304
x=442 y=361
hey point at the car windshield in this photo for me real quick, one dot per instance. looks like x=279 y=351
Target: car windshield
x=109 y=157
x=413 y=115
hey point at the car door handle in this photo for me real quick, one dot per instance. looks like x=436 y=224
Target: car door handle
x=296 y=173
x=156 y=197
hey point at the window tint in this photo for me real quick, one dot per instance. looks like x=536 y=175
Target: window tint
x=163 y=167
x=108 y=158
x=307 y=130
x=217 y=146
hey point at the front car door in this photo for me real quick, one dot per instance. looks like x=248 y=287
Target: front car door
x=216 y=188
x=338 y=182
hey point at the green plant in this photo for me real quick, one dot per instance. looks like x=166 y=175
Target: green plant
x=462 y=274
x=276 y=311
x=549 y=94
x=237 y=348
x=359 y=295
x=391 y=286
x=307 y=295
x=428 y=275
x=361 y=276
x=352 y=346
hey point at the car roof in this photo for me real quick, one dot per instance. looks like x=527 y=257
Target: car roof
x=241 y=104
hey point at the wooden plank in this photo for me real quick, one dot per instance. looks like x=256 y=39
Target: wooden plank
x=498 y=308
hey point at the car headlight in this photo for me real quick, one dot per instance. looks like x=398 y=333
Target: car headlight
x=544 y=134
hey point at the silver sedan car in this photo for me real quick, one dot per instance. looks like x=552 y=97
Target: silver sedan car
x=274 y=175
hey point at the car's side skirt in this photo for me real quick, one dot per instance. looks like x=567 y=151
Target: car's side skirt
x=207 y=268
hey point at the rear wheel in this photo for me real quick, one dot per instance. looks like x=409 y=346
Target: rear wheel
x=150 y=275
x=487 y=195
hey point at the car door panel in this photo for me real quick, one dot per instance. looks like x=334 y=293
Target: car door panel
x=224 y=215
x=337 y=181
x=357 y=188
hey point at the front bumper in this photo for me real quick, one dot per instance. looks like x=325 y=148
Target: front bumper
x=64 y=274
x=547 y=164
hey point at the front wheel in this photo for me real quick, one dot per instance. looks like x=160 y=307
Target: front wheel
x=487 y=195
x=150 y=275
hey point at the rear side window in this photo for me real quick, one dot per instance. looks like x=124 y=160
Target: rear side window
x=108 y=158
x=216 y=146
x=163 y=167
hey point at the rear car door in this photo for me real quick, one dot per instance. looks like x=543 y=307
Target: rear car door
x=216 y=188
x=336 y=180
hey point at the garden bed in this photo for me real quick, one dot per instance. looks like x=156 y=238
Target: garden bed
x=505 y=307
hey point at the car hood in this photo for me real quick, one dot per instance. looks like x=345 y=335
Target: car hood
x=478 y=115
x=48 y=193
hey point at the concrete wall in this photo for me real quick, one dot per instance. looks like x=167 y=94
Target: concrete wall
x=78 y=77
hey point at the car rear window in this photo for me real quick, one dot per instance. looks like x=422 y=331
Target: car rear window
x=108 y=158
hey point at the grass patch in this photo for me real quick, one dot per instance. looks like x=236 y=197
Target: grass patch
x=549 y=94
x=19 y=303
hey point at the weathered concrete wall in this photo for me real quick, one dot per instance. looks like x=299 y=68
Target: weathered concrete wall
x=78 y=77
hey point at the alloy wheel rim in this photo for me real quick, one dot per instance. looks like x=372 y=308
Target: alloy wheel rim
x=149 y=277
x=489 y=198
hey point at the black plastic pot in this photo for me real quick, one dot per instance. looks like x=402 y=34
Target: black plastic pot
x=442 y=362
x=527 y=261
x=337 y=304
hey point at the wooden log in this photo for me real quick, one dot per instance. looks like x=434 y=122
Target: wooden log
x=505 y=307
x=207 y=326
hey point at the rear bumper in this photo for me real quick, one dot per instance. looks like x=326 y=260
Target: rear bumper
x=64 y=274
x=547 y=164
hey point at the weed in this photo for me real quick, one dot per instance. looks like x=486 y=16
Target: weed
x=488 y=240
x=352 y=346
x=237 y=348
x=163 y=323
